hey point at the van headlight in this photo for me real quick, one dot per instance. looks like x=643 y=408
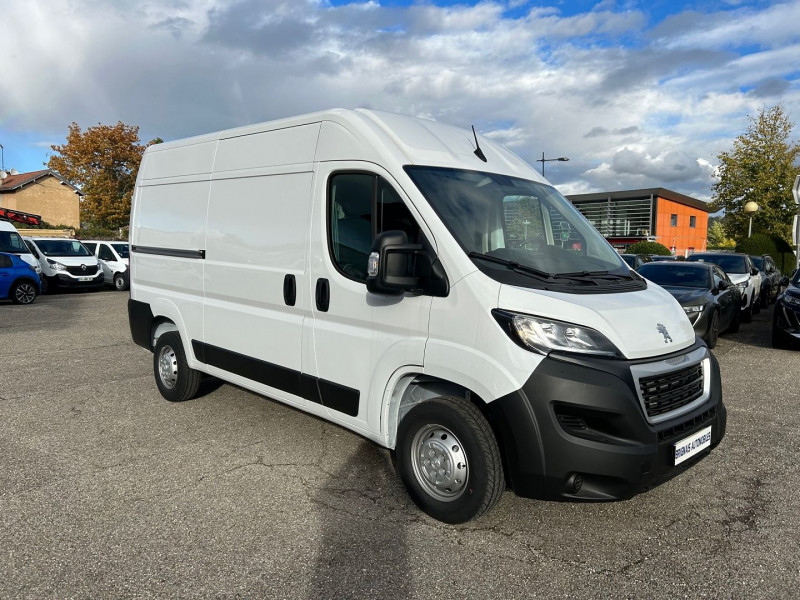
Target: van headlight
x=545 y=335
x=56 y=266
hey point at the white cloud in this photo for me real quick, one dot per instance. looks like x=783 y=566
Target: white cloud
x=628 y=106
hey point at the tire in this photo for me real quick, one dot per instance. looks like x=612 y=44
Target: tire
x=44 y=284
x=175 y=380
x=120 y=282
x=765 y=296
x=713 y=330
x=469 y=477
x=747 y=313
x=737 y=320
x=756 y=304
x=23 y=292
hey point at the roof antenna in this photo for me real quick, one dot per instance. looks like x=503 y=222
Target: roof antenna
x=478 y=152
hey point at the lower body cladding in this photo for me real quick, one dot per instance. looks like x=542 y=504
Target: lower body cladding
x=600 y=429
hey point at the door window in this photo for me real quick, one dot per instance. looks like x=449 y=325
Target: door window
x=360 y=206
x=105 y=253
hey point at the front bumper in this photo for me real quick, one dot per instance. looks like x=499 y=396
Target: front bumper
x=582 y=419
x=65 y=280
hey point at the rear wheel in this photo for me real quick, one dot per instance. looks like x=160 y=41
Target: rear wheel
x=175 y=379
x=713 y=330
x=737 y=319
x=747 y=313
x=448 y=459
x=23 y=292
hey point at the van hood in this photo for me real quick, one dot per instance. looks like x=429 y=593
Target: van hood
x=74 y=261
x=640 y=324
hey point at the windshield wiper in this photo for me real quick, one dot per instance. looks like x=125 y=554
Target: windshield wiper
x=515 y=266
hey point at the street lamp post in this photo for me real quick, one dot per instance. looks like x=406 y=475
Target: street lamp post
x=544 y=160
x=750 y=207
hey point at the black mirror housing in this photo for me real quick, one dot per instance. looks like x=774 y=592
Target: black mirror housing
x=390 y=269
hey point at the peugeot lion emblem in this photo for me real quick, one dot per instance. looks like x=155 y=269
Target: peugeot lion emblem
x=663 y=331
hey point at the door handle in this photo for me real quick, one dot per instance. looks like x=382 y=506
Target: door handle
x=289 y=290
x=323 y=295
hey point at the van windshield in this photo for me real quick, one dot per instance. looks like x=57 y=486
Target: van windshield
x=522 y=232
x=62 y=248
x=11 y=242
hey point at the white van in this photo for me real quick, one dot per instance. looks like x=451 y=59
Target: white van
x=113 y=257
x=65 y=263
x=427 y=289
x=11 y=241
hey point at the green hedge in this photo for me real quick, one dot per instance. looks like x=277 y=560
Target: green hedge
x=648 y=248
x=774 y=245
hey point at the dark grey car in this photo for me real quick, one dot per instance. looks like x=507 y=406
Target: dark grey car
x=770 y=278
x=707 y=295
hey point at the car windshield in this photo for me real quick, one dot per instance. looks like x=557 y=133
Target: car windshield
x=758 y=261
x=10 y=241
x=677 y=275
x=62 y=248
x=730 y=263
x=122 y=250
x=519 y=231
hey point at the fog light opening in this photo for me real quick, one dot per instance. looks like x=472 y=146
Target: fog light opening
x=574 y=483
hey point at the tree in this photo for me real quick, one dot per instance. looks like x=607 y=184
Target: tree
x=717 y=238
x=760 y=168
x=103 y=162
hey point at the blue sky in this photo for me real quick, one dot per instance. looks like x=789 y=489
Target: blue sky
x=636 y=94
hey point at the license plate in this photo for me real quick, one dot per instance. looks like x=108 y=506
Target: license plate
x=85 y=278
x=692 y=445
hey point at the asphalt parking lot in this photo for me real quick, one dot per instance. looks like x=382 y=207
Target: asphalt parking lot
x=107 y=490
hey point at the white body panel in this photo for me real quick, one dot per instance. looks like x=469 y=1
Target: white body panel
x=252 y=203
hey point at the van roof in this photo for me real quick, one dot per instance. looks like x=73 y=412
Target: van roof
x=375 y=136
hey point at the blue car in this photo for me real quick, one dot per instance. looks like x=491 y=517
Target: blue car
x=18 y=280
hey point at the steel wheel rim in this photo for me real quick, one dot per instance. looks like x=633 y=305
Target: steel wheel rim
x=25 y=293
x=119 y=282
x=439 y=462
x=168 y=367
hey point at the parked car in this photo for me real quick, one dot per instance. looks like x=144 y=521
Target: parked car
x=66 y=263
x=786 y=317
x=113 y=257
x=741 y=271
x=636 y=260
x=661 y=257
x=708 y=297
x=19 y=281
x=770 y=278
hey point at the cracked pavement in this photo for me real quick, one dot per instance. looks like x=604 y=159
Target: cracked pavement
x=107 y=490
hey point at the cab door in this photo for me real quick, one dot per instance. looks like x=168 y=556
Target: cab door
x=108 y=262
x=359 y=339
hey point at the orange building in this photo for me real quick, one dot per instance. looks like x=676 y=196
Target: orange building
x=656 y=214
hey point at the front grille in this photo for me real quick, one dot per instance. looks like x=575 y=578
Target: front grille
x=681 y=429
x=79 y=272
x=667 y=392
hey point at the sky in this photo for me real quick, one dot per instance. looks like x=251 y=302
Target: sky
x=635 y=94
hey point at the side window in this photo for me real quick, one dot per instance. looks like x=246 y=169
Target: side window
x=361 y=205
x=105 y=253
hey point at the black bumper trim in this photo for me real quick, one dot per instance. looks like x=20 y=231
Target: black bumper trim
x=583 y=416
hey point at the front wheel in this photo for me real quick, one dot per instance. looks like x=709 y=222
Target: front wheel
x=120 y=282
x=448 y=459
x=175 y=379
x=713 y=330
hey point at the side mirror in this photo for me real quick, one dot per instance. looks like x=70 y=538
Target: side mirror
x=784 y=281
x=390 y=263
x=723 y=285
x=753 y=271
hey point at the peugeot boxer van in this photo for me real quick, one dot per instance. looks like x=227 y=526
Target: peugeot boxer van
x=426 y=288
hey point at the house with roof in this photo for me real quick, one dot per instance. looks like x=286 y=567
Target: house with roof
x=677 y=221
x=43 y=193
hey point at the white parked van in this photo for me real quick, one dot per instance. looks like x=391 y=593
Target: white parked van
x=113 y=257
x=66 y=263
x=11 y=241
x=427 y=289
